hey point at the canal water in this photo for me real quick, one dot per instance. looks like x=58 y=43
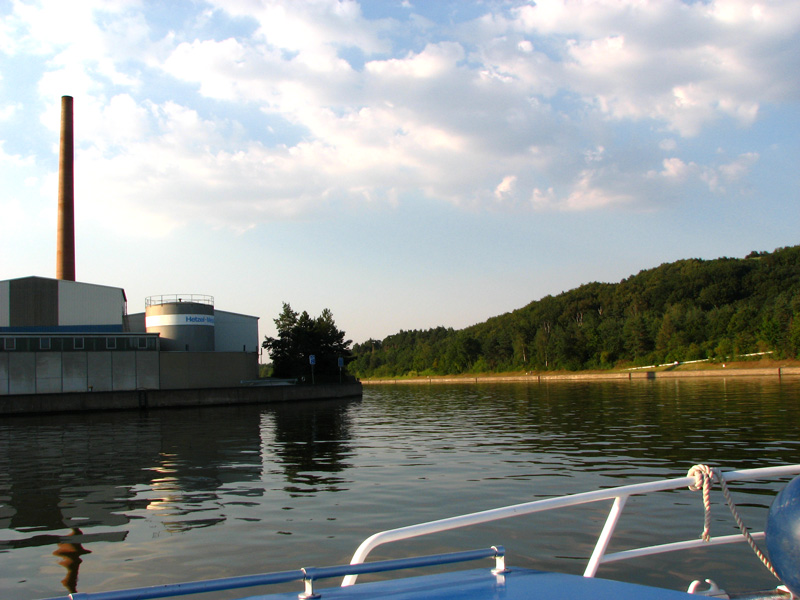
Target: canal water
x=101 y=501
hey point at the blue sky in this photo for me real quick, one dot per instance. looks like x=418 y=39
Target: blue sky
x=405 y=164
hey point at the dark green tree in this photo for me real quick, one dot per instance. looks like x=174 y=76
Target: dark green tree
x=299 y=337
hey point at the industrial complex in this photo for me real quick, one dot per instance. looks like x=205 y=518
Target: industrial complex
x=62 y=336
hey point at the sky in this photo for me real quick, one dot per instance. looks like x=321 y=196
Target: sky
x=406 y=164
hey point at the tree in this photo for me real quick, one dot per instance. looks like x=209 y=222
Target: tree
x=299 y=337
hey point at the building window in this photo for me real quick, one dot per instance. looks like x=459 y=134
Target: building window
x=77 y=343
x=142 y=343
x=10 y=343
x=111 y=343
x=44 y=343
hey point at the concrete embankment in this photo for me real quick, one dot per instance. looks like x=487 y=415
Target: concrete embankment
x=149 y=399
x=631 y=375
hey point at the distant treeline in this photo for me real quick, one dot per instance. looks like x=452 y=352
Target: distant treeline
x=687 y=310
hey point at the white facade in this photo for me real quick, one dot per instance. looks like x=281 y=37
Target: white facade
x=89 y=304
x=234 y=332
x=44 y=304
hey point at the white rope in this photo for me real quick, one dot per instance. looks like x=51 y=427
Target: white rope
x=704 y=476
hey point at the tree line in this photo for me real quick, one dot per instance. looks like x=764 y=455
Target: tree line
x=686 y=310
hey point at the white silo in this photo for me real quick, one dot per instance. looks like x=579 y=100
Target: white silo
x=185 y=321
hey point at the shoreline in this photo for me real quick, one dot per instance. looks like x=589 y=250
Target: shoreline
x=142 y=400
x=773 y=371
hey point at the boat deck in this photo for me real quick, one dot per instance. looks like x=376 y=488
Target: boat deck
x=519 y=584
x=500 y=582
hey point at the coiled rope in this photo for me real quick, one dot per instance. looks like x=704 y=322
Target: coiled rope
x=704 y=477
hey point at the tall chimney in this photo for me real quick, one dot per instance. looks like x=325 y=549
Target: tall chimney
x=65 y=252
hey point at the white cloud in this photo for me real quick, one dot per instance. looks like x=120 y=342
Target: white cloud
x=505 y=188
x=684 y=64
x=7 y=111
x=226 y=70
x=71 y=33
x=531 y=97
x=594 y=155
x=543 y=199
x=14 y=216
x=14 y=160
x=676 y=171
x=740 y=167
x=594 y=189
x=309 y=26
x=435 y=60
x=668 y=144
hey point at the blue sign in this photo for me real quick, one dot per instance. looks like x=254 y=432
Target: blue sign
x=312 y=359
x=341 y=362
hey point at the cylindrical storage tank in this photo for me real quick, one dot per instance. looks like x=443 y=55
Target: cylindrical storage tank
x=185 y=321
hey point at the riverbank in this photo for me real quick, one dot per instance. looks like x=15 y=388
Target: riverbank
x=153 y=399
x=760 y=368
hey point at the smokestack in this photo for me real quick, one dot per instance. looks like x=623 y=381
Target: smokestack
x=65 y=251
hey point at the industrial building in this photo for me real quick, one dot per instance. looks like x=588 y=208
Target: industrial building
x=59 y=336
x=62 y=336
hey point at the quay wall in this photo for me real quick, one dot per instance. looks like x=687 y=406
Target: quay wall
x=631 y=375
x=153 y=399
x=119 y=370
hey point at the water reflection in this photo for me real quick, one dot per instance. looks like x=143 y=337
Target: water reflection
x=309 y=444
x=70 y=554
x=77 y=480
x=217 y=491
x=628 y=423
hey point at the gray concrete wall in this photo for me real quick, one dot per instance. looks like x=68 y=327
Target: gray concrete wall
x=22 y=373
x=98 y=372
x=147 y=370
x=151 y=399
x=123 y=370
x=3 y=373
x=181 y=370
x=74 y=370
x=48 y=372
x=59 y=372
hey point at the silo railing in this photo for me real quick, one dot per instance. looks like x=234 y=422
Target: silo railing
x=177 y=298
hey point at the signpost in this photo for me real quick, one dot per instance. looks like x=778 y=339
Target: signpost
x=312 y=360
x=341 y=364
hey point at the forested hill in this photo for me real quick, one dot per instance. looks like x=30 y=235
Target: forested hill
x=686 y=310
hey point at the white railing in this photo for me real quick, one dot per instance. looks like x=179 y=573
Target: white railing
x=619 y=495
x=177 y=298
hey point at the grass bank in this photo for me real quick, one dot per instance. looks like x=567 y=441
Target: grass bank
x=763 y=367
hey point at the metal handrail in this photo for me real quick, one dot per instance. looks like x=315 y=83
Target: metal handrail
x=308 y=575
x=619 y=495
x=177 y=298
x=312 y=574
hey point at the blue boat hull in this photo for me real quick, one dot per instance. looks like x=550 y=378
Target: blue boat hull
x=481 y=584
